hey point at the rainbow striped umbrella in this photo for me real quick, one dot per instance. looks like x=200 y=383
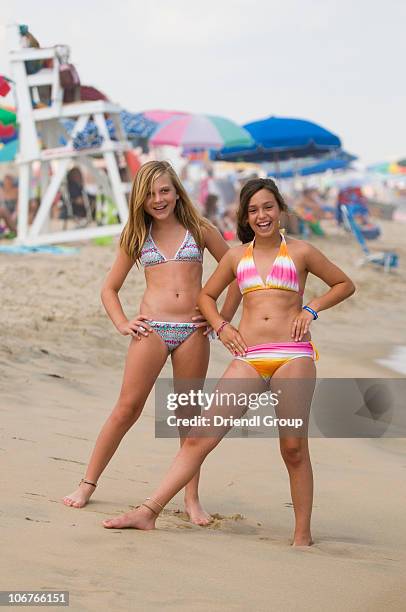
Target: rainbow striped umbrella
x=200 y=132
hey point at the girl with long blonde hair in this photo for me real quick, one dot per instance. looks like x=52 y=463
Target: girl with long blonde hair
x=166 y=235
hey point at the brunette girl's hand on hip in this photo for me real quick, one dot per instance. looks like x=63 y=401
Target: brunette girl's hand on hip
x=232 y=340
x=136 y=327
x=301 y=325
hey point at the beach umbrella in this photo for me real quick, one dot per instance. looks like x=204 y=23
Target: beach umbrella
x=200 y=132
x=8 y=151
x=7 y=132
x=333 y=164
x=4 y=86
x=142 y=125
x=280 y=138
x=159 y=116
x=136 y=125
x=388 y=168
x=7 y=116
x=339 y=162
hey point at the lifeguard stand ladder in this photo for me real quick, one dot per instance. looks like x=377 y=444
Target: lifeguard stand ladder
x=44 y=124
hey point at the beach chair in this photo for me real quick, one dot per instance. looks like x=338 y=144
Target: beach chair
x=387 y=259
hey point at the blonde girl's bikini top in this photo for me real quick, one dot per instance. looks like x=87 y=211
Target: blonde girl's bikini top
x=283 y=274
x=188 y=251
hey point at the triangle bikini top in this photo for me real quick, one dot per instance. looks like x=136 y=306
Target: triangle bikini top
x=282 y=275
x=188 y=251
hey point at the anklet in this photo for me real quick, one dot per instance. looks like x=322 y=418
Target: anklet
x=149 y=508
x=88 y=482
x=155 y=502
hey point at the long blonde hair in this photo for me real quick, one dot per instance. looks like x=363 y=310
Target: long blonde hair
x=139 y=221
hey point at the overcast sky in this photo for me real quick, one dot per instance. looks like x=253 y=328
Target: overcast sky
x=338 y=63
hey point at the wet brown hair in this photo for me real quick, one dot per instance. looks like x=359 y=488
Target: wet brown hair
x=244 y=231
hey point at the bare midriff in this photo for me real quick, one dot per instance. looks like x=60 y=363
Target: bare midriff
x=268 y=316
x=172 y=291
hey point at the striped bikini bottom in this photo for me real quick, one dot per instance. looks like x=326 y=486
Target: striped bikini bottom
x=267 y=358
x=173 y=333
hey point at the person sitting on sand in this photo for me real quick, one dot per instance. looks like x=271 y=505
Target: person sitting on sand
x=272 y=344
x=8 y=202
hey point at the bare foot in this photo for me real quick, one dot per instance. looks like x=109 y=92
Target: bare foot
x=197 y=515
x=80 y=497
x=140 y=518
x=302 y=540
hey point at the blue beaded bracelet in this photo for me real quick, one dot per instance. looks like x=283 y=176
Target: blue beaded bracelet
x=313 y=312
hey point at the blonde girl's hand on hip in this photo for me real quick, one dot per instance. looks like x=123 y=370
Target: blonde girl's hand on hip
x=136 y=327
x=200 y=321
x=232 y=340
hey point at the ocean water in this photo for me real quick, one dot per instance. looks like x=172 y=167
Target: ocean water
x=396 y=361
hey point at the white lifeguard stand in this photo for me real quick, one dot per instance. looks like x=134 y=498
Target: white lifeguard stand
x=40 y=130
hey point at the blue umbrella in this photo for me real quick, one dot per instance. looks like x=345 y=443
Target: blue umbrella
x=280 y=138
x=137 y=125
x=327 y=164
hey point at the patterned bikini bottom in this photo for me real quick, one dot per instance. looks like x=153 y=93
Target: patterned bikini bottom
x=173 y=333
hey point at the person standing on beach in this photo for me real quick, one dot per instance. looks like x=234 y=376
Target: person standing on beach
x=166 y=235
x=272 y=344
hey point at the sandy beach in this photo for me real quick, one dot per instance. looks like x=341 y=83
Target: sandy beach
x=62 y=362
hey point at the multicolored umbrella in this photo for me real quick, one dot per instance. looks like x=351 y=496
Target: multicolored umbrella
x=159 y=116
x=388 y=168
x=200 y=132
x=8 y=151
x=8 y=134
x=7 y=116
x=4 y=86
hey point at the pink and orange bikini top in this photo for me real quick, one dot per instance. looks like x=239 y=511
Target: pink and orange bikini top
x=283 y=274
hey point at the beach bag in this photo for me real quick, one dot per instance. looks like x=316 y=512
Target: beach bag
x=68 y=76
x=90 y=94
